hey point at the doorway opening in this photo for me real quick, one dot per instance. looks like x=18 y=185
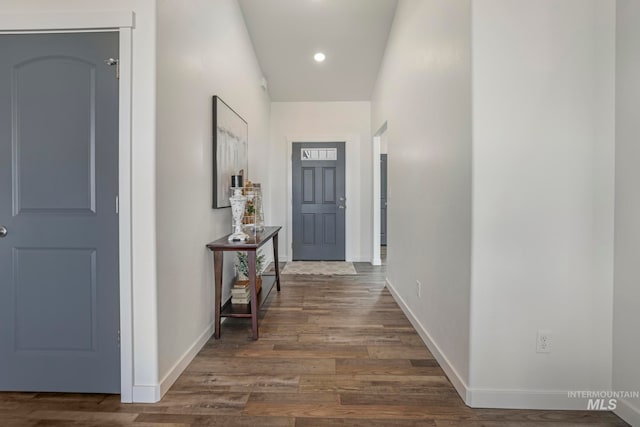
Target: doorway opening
x=380 y=196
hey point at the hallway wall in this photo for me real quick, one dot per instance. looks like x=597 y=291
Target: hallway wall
x=322 y=122
x=543 y=144
x=203 y=50
x=626 y=340
x=424 y=93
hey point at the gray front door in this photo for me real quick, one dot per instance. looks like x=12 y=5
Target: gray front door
x=59 y=295
x=383 y=199
x=318 y=201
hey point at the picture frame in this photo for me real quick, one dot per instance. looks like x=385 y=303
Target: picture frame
x=230 y=150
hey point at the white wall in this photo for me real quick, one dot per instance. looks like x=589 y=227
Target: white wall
x=543 y=90
x=322 y=122
x=626 y=340
x=203 y=50
x=424 y=92
x=142 y=172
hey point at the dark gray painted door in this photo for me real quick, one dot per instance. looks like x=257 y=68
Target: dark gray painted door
x=59 y=296
x=318 y=201
x=383 y=199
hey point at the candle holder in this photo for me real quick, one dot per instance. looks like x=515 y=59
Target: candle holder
x=253 y=214
x=238 y=202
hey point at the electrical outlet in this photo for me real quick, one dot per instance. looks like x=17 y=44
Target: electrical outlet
x=543 y=343
x=418 y=288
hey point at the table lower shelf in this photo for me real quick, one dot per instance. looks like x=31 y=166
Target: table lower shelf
x=244 y=310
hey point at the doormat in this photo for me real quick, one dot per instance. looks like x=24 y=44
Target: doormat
x=325 y=268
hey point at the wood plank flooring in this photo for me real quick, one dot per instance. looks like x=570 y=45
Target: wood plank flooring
x=333 y=351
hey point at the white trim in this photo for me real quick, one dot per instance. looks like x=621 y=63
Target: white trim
x=628 y=412
x=525 y=399
x=56 y=21
x=185 y=359
x=543 y=400
x=146 y=393
x=375 y=205
x=375 y=197
x=125 y=219
x=350 y=158
x=461 y=387
x=122 y=22
x=503 y=399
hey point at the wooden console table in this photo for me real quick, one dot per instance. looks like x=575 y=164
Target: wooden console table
x=218 y=247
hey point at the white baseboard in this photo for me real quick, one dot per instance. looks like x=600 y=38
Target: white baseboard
x=628 y=412
x=153 y=393
x=377 y=261
x=506 y=399
x=459 y=384
x=525 y=399
x=184 y=360
x=146 y=393
x=544 y=400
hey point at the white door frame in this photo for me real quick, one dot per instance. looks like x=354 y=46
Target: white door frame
x=352 y=211
x=123 y=23
x=375 y=206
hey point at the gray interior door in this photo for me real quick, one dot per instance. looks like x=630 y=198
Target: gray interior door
x=59 y=296
x=383 y=199
x=319 y=202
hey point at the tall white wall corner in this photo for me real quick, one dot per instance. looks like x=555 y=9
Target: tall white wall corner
x=553 y=153
x=626 y=343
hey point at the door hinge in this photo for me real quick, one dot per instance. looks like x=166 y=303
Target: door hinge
x=118 y=338
x=112 y=62
x=117 y=204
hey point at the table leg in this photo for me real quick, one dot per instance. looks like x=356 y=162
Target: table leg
x=275 y=260
x=254 y=293
x=217 y=268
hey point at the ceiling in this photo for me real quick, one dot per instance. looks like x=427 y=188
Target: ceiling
x=351 y=33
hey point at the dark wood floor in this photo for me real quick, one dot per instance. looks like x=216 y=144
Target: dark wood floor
x=334 y=351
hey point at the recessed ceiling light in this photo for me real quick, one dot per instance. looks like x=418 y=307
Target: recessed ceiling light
x=319 y=57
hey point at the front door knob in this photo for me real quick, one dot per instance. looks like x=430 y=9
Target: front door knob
x=3 y=231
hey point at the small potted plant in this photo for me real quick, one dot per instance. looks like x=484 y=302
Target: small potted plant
x=242 y=268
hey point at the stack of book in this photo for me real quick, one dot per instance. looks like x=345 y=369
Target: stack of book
x=240 y=293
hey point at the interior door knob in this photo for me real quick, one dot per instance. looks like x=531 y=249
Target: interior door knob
x=3 y=231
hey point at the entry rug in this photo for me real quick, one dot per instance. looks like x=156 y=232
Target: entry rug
x=325 y=268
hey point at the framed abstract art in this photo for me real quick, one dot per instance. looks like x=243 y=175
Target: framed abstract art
x=230 y=150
